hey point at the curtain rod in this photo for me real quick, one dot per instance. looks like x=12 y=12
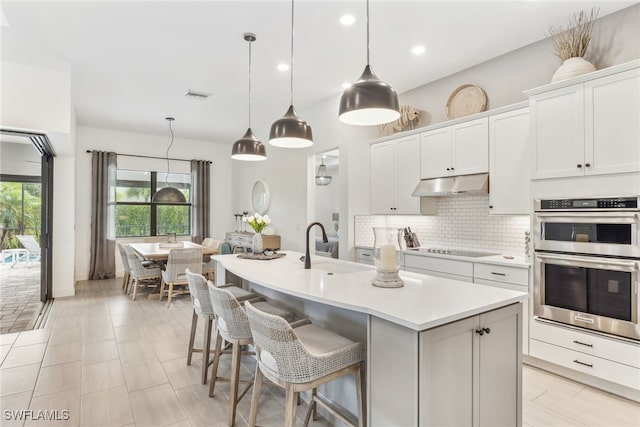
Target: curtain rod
x=153 y=157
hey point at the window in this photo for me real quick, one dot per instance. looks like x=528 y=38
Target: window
x=20 y=208
x=137 y=215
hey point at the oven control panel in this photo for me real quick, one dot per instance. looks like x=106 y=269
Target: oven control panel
x=609 y=203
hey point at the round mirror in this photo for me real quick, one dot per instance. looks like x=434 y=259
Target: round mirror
x=260 y=197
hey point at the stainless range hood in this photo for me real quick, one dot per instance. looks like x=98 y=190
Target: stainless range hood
x=453 y=185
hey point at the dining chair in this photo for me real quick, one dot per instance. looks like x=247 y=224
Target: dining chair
x=209 y=266
x=125 y=264
x=225 y=248
x=302 y=359
x=233 y=326
x=139 y=275
x=175 y=273
x=202 y=307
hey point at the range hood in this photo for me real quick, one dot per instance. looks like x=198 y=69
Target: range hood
x=453 y=185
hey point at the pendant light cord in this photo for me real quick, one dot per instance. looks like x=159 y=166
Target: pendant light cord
x=368 y=32
x=168 y=148
x=292 y=14
x=250 y=41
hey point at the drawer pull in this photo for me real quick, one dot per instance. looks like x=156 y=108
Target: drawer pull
x=365 y=254
x=583 y=343
x=498 y=274
x=583 y=363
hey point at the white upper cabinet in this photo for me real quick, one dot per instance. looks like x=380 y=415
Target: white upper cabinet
x=509 y=163
x=460 y=149
x=395 y=172
x=587 y=128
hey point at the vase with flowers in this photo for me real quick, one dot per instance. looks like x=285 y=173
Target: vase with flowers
x=258 y=223
x=571 y=45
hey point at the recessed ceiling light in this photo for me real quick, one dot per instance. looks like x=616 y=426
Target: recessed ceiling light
x=347 y=19
x=283 y=67
x=346 y=85
x=418 y=50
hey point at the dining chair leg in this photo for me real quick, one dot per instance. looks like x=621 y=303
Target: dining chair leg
x=162 y=284
x=192 y=336
x=290 y=407
x=205 y=348
x=361 y=395
x=216 y=361
x=135 y=288
x=235 y=377
x=169 y=294
x=255 y=397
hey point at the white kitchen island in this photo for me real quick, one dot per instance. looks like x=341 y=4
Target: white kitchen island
x=439 y=351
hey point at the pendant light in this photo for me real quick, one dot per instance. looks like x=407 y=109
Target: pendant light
x=291 y=131
x=369 y=101
x=322 y=177
x=169 y=194
x=249 y=147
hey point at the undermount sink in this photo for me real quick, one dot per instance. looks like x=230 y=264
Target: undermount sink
x=335 y=268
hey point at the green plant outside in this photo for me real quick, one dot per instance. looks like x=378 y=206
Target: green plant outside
x=13 y=218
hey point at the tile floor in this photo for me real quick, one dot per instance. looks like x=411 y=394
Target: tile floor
x=19 y=296
x=111 y=361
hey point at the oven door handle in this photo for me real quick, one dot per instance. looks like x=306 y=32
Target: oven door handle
x=604 y=217
x=583 y=261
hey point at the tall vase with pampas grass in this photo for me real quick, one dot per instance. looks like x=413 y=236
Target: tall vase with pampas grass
x=571 y=45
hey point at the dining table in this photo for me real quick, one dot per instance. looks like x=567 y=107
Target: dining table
x=158 y=252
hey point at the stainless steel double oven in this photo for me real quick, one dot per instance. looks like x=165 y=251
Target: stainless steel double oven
x=587 y=262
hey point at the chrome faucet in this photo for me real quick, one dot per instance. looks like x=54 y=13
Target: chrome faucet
x=307 y=257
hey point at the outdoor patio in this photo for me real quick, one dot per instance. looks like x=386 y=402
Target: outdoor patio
x=19 y=296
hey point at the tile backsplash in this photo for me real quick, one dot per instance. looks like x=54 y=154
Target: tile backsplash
x=461 y=222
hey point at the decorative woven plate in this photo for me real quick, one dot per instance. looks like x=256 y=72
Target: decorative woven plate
x=465 y=100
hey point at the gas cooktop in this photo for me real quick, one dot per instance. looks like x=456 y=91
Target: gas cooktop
x=470 y=254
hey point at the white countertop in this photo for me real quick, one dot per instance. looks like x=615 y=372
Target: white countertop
x=423 y=303
x=510 y=260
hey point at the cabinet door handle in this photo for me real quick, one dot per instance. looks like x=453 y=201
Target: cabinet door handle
x=490 y=206
x=583 y=343
x=588 y=165
x=480 y=331
x=487 y=330
x=448 y=169
x=583 y=363
x=579 y=165
x=451 y=168
x=498 y=274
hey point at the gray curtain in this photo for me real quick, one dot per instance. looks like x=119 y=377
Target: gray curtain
x=200 y=206
x=103 y=239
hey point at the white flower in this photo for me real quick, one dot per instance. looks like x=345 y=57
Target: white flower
x=250 y=218
x=267 y=220
x=258 y=218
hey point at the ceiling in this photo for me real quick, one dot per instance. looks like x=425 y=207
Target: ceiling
x=131 y=62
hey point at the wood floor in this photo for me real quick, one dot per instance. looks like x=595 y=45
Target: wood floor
x=111 y=361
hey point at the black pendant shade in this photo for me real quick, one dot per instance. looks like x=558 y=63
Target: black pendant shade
x=369 y=101
x=291 y=131
x=169 y=195
x=248 y=148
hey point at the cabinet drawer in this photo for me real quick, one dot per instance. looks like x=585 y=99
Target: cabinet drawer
x=616 y=372
x=592 y=344
x=501 y=273
x=364 y=256
x=450 y=266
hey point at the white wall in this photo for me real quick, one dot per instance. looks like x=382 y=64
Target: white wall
x=150 y=145
x=19 y=159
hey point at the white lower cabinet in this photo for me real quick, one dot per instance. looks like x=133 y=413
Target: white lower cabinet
x=603 y=357
x=364 y=256
x=439 y=267
x=468 y=373
x=507 y=277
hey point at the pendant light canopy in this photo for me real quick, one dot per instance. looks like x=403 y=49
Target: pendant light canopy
x=369 y=101
x=322 y=177
x=291 y=131
x=169 y=194
x=249 y=148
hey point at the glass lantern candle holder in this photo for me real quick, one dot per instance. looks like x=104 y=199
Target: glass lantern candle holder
x=387 y=257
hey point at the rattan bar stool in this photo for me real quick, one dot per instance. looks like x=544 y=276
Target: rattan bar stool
x=303 y=359
x=233 y=326
x=201 y=300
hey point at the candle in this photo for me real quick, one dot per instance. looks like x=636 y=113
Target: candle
x=388 y=258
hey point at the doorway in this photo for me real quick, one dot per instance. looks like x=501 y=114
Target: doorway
x=26 y=174
x=326 y=200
